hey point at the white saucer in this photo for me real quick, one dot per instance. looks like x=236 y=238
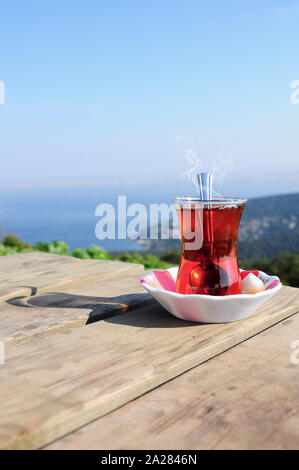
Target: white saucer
x=206 y=308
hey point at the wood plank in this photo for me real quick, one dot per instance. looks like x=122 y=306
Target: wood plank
x=246 y=398
x=23 y=319
x=56 y=384
x=64 y=292
x=30 y=273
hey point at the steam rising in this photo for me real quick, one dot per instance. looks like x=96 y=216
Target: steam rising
x=203 y=158
x=196 y=166
x=223 y=165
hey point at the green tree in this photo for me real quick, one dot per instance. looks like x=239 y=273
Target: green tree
x=173 y=257
x=55 y=247
x=80 y=253
x=13 y=241
x=97 y=252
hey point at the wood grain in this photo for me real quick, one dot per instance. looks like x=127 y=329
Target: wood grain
x=56 y=384
x=31 y=273
x=246 y=398
x=23 y=319
x=83 y=293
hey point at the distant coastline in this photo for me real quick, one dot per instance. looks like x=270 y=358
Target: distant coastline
x=68 y=214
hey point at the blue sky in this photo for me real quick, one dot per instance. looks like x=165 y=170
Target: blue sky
x=101 y=92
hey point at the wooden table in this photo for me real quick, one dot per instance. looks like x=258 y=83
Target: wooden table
x=92 y=362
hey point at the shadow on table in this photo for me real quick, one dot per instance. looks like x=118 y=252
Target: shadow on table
x=135 y=309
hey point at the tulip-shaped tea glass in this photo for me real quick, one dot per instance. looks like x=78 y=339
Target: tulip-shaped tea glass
x=209 y=233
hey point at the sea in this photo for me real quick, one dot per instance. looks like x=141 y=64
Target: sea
x=68 y=213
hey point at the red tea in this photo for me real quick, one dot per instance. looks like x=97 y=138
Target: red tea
x=209 y=263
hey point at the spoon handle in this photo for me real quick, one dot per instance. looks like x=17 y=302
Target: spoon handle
x=205 y=183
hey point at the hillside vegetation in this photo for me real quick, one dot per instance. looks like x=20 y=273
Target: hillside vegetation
x=12 y=245
x=269 y=226
x=285 y=265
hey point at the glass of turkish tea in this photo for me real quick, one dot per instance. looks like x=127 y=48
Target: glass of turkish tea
x=209 y=233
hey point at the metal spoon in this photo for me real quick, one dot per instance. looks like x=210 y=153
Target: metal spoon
x=208 y=277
